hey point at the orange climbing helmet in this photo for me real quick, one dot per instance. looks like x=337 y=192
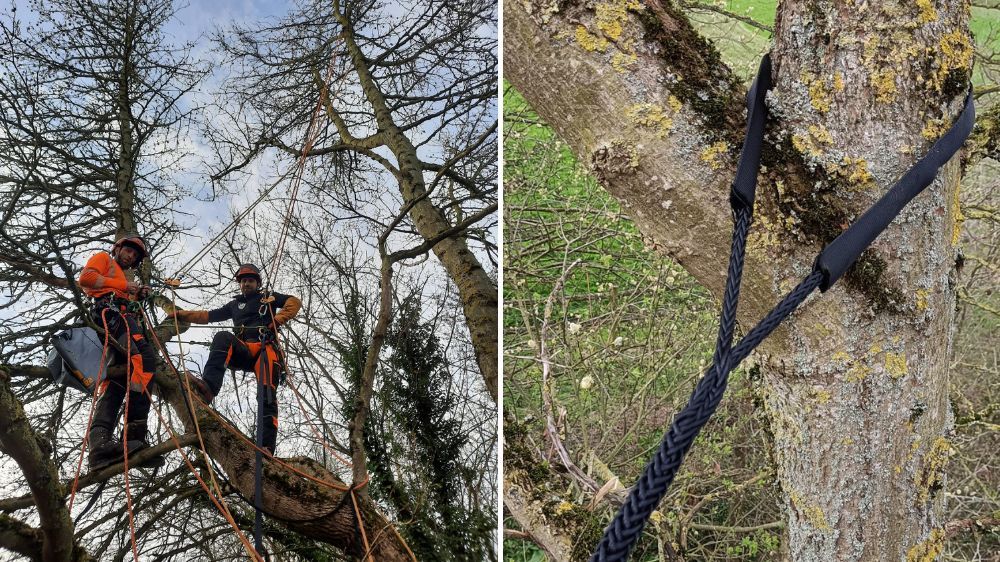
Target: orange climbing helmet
x=135 y=242
x=248 y=269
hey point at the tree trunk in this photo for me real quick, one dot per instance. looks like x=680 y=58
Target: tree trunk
x=476 y=290
x=315 y=510
x=856 y=381
x=126 y=141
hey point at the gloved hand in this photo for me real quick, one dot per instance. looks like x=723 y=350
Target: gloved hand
x=196 y=316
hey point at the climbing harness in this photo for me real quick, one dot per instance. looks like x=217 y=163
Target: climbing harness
x=621 y=535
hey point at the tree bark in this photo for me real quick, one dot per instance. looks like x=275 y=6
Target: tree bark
x=476 y=290
x=54 y=540
x=856 y=381
x=315 y=510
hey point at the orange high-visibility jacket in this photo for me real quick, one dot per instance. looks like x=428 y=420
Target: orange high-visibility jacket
x=102 y=276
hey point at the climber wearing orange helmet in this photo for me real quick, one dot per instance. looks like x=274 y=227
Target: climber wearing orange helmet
x=103 y=279
x=252 y=347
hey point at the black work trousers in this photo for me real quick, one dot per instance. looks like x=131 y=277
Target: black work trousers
x=264 y=361
x=125 y=329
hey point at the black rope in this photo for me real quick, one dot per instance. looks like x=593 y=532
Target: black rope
x=258 y=480
x=645 y=496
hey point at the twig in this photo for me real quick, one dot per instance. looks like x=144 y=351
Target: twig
x=710 y=8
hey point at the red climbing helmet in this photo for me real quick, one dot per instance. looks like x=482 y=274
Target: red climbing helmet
x=246 y=270
x=136 y=243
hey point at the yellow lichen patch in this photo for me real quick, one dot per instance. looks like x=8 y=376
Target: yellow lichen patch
x=927 y=12
x=921 y=299
x=821 y=395
x=674 y=104
x=884 y=83
x=763 y=238
x=621 y=61
x=956 y=211
x=590 y=42
x=928 y=549
x=819 y=96
x=820 y=134
x=812 y=512
x=855 y=171
x=810 y=144
x=838 y=81
x=841 y=356
x=957 y=50
x=930 y=474
x=847 y=441
x=871 y=49
x=819 y=328
x=857 y=372
x=712 y=155
x=611 y=16
x=650 y=116
x=935 y=128
x=956 y=54
x=563 y=507
x=875 y=349
x=895 y=365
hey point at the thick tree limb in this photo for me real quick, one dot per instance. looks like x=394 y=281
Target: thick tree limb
x=20 y=538
x=92 y=478
x=301 y=504
x=18 y=440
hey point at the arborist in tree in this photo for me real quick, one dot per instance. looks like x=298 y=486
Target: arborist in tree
x=115 y=309
x=251 y=348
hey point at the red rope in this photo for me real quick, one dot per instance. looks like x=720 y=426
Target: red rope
x=93 y=405
x=312 y=132
x=218 y=502
x=190 y=395
x=129 y=370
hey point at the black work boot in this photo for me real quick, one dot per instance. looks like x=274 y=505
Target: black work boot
x=105 y=450
x=202 y=388
x=138 y=441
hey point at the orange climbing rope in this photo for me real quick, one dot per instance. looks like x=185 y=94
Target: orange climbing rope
x=129 y=370
x=190 y=395
x=361 y=525
x=298 y=399
x=312 y=133
x=93 y=405
x=218 y=502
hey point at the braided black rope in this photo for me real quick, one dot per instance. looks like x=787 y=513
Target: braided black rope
x=659 y=473
x=645 y=496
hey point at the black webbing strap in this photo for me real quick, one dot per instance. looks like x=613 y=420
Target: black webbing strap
x=834 y=260
x=645 y=496
x=745 y=184
x=258 y=467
